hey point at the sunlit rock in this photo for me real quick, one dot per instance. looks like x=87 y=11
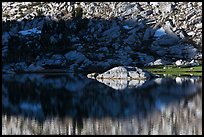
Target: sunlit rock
x=92 y=75
x=158 y=62
x=179 y=62
x=125 y=72
x=122 y=77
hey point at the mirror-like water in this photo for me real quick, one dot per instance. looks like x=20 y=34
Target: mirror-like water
x=70 y=104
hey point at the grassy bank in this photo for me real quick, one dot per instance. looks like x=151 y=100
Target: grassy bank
x=169 y=70
x=174 y=70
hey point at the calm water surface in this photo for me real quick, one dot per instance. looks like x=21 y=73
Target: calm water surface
x=74 y=104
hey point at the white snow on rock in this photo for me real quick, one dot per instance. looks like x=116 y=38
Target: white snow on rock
x=127 y=27
x=160 y=32
x=30 y=31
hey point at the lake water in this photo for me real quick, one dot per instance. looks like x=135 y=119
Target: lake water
x=74 y=104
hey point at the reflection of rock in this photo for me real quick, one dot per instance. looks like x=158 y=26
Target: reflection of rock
x=121 y=84
x=117 y=84
x=70 y=95
x=124 y=72
x=92 y=75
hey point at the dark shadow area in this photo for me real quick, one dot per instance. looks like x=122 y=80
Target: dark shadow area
x=42 y=97
x=103 y=43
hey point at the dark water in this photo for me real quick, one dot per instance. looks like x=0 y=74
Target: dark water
x=70 y=104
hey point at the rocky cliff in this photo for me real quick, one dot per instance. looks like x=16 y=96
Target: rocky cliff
x=90 y=36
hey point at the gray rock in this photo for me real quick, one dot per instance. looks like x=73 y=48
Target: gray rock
x=116 y=46
x=158 y=33
x=105 y=64
x=92 y=75
x=112 y=32
x=58 y=59
x=198 y=26
x=40 y=24
x=53 y=39
x=168 y=27
x=4 y=52
x=165 y=7
x=154 y=3
x=176 y=51
x=198 y=56
x=35 y=67
x=130 y=40
x=183 y=51
x=120 y=84
x=190 y=52
x=158 y=62
x=167 y=40
x=149 y=12
x=21 y=66
x=75 y=56
x=7 y=69
x=148 y=33
x=193 y=63
x=103 y=49
x=180 y=62
x=5 y=38
x=144 y=58
x=125 y=72
x=74 y=39
x=44 y=62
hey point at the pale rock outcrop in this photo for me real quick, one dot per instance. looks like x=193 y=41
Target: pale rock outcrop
x=123 y=72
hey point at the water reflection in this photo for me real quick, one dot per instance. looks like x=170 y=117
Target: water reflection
x=78 y=105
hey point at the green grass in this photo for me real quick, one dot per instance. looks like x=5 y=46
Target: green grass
x=174 y=70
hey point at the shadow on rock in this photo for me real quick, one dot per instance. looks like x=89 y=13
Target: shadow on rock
x=90 y=44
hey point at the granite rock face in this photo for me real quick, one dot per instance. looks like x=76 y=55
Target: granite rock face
x=123 y=72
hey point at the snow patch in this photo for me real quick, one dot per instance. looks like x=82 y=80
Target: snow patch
x=127 y=27
x=160 y=32
x=30 y=31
